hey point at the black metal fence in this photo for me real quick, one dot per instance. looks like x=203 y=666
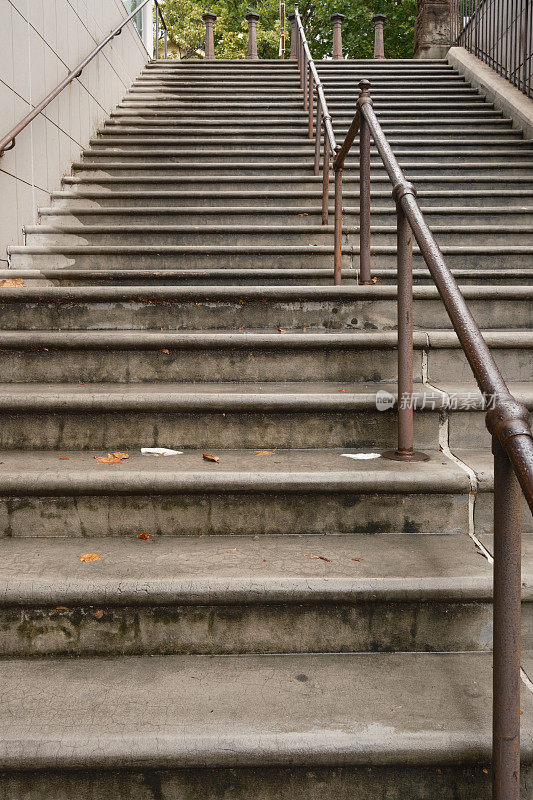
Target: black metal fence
x=500 y=32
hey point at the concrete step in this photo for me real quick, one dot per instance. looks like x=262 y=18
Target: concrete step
x=326 y=723
x=297 y=492
x=222 y=234
x=296 y=167
x=458 y=216
x=476 y=198
x=214 y=256
x=298 y=184
x=146 y=356
x=249 y=114
x=284 y=415
x=248 y=277
x=409 y=592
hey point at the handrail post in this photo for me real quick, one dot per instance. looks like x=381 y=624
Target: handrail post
x=294 y=30
x=166 y=43
x=156 y=32
x=252 y=18
x=365 y=277
x=318 y=134
x=506 y=637
x=337 y=20
x=379 y=47
x=305 y=77
x=404 y=451
x=325 y=178
x=209 y=48
x=311 y=101
x=337 y=245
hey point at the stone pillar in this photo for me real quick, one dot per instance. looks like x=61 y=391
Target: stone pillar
x=337 y=20
x=292 y=20
x=432 y=29
x=252 y=18
x=209 y=47
x=379 y=48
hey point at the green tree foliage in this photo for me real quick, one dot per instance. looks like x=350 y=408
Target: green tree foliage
x=184 y=19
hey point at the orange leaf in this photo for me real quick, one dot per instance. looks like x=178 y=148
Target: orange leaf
x=223 y=553
x=112 y=458
x=209 y=457
x=62 y=608
x=322 y=558
x=12 y=282
x=166 y=351
x=357 y=559
x=90 y=557
x=145 y=536
x=98 y=614
x=265 y=453
x=282 y=330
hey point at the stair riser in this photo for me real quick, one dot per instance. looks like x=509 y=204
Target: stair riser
x=301 y=168
x=250 y=260
x=72 y=200
x=274 y=216
x=267 y=783
x=280 y=160
x=197 y=313
x=226 y=513
x=207 y=237
x=250 y=628
x=493 y=184
x=250 y=363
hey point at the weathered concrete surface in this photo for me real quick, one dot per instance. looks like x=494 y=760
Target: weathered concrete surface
x=432 y=29
x=506 y=97
x=246 y=594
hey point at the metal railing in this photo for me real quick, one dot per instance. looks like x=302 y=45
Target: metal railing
x=7 y=142
x=500 y=32
x=507 y=420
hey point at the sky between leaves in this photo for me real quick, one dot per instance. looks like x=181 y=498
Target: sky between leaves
x=184 y=20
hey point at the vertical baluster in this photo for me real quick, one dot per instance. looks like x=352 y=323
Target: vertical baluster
x=318 y=133
x=310 y=101
x=305 y=76
x=325 y=177
x=157 y=31
x=506 y=642
x=364 y=189
x=337 y=244
x=404 y=237
x=166 y=43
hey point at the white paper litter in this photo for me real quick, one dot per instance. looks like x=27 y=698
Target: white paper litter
x=361 y=456
x=160 y=451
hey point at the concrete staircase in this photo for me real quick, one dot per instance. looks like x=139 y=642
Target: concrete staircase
x=301 y=624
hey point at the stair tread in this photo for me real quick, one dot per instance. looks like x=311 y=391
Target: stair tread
x=248 y=710
x=77 y=472
x=249 y=569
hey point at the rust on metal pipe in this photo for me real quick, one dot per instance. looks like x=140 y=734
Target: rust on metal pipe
x=506 y=641
x=318 y=135
x=252 y=18
x=337 y=245
x=337 y=20
x=209 y=48
x=311 y=103
x=325 y=180
x=292 y=20
x=404 y=236
x=379 y=47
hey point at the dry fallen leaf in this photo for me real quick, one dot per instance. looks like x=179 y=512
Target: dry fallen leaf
x=357 y=559
x=374 y=279
x=322 y=558
x=112 y=458
x=282 y=330
x=265 y=453
x=166 y=351
x=223 y=553
x=64 y=459
x=145 y=536
x=98 y=614
x=12 y=282
x=210 y=457
x=62 y=608
x=90 y=557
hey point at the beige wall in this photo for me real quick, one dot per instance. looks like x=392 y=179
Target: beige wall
x=40 y=42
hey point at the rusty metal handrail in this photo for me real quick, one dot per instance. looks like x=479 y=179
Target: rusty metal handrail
x=8 y=141
x=507 y=420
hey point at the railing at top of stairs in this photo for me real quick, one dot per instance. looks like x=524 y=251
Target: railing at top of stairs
x=507 y=420
x=8 y=141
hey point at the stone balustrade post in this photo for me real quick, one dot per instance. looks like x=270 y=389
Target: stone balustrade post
x=337 y=20
x=209 y=47
x=252 y=18
x=379 y=48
